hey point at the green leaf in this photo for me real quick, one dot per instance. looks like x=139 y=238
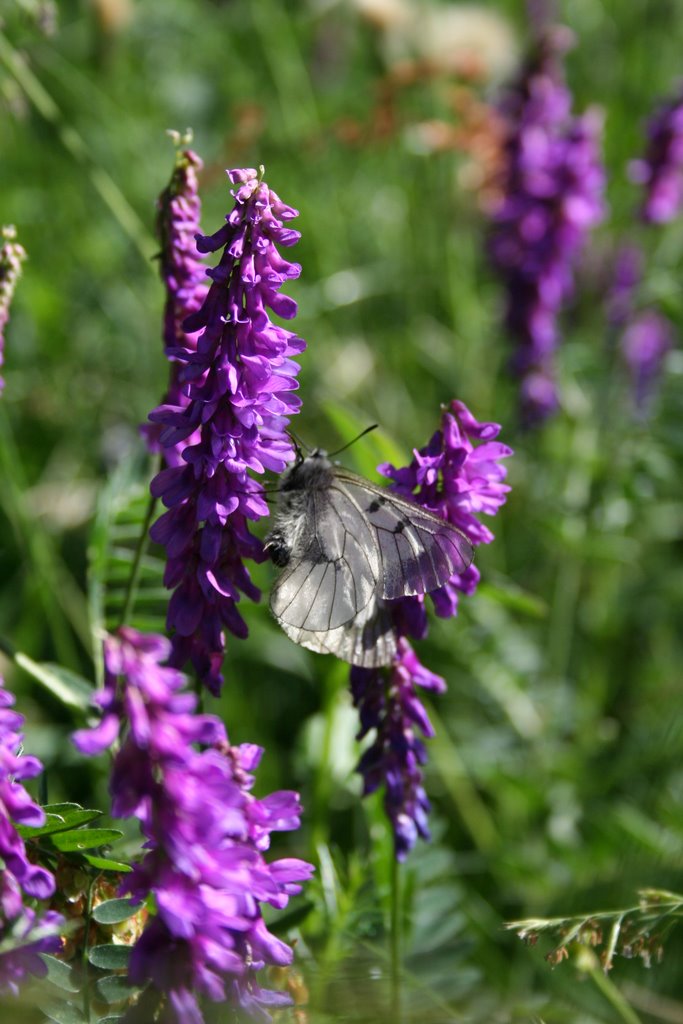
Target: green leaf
x=58 y=822
x=85 y=838
x=68 y=687
x=114 y=911
x=59 y=973
x=107 y=864
x=63 y=1013
x=115 y=989
x=110 y=957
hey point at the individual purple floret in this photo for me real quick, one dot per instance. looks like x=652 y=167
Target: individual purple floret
x=551 y=196
x=239 y=383
x=644 y=345
x=12 y=255
x=205 y=838
x=458 y=476
x=22 y=934
x=660 y=172
x=183 y=273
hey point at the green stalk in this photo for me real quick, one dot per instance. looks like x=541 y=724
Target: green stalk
x=141 y=547
x=395 y=940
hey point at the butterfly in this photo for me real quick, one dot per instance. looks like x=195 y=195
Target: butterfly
x=346 y=546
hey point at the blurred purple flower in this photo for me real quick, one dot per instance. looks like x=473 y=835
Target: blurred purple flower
x=660 y=172
x=12 y=256
x=21 y=933
x=238 y=383
x=205 y=836
x=24 y=938
x=627 y=275
x=552 y=189
x=458 y=476
x=644 y=345
x=184 y=276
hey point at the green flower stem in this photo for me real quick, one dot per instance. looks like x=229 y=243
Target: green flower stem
x=140 y=549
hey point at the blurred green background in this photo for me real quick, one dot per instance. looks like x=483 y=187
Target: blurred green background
x=556 y=773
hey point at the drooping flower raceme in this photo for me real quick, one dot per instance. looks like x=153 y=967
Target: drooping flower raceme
x=458 y=476
x=239 y=383
x=660 y=171
x=183 y=273
x=551 y=197
x=12 y=256
x=205 y=838
x=23 y=934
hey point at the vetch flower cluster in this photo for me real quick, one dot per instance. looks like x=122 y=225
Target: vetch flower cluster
x=552 y=187
x=183 y=273
x=22 y=933
x=458 y=476
x=12 y=255
x=660 y=171
x=205 y=838
x=239 y=381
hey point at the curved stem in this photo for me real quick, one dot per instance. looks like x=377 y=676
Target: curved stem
x=137 y=561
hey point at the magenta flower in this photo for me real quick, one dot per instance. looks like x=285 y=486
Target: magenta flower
x=660 y=172
x=22 y=934
x=12 y=255
x=458 y=476
x=239 y=381
x=183 y=273
x=552 y=189
x=205 y=838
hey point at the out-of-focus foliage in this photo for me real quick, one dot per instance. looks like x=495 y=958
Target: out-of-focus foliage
x=556 y=771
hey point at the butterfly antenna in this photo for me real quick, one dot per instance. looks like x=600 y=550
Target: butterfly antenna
x=362 y=434
x=299 y=445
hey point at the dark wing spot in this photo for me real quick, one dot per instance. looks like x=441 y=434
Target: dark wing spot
x=400 y=527
x=375 y=505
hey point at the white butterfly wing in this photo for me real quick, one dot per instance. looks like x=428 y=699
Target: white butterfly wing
x=418 y=551
x=333 y=574
x=369 y=640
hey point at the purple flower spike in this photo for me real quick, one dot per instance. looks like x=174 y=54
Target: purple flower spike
x=239 y=381
x=458 y=476
x=206 y=834
x=183 y=273
x=644 y=345
x=661 y=170
x=552 y=189
x=12 y=255
x=396 y=757
x=22 y=934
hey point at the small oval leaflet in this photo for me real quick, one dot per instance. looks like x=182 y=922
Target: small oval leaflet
x=347 y=546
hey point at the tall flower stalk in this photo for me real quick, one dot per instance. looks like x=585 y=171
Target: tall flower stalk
x=12 y=255
x=458 y=476
x=552 y=187
x=183 y=273
x=23 y=933
x=206 y=835
x=236 y=380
